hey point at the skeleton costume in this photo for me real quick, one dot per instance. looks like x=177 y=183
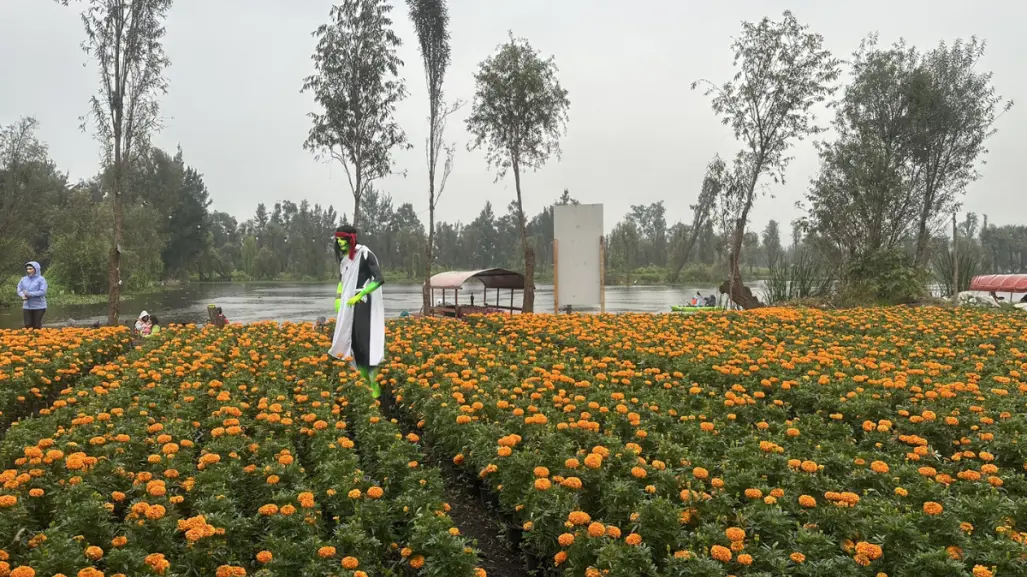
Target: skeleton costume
x=360 y=325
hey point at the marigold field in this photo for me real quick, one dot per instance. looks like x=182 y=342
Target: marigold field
x=773 y=442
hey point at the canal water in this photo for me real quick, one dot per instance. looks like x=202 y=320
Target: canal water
x=306 y=302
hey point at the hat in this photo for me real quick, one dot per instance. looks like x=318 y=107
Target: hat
x=143 y=315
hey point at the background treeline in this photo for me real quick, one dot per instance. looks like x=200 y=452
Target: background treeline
x=172 y=234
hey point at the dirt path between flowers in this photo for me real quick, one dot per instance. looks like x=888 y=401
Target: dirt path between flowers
x=476 y=518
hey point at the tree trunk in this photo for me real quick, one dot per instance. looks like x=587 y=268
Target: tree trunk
x=528 y=305
x=429 y=251
x=738 y=292
x=921 y=243
x=356 y=210
x=114 y=265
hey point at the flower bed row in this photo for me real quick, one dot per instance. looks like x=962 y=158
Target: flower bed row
x=33 y=364
x=782 y=442
x=234 y=452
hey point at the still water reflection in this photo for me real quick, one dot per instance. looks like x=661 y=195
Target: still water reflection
x=305 y=302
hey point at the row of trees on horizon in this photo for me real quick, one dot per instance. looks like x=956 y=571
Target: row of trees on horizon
x=908 y=134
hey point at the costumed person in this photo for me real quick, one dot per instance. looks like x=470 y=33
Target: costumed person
x=360 y=325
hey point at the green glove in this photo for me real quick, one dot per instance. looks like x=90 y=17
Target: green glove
x=360 y=295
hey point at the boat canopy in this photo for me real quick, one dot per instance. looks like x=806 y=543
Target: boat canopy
x=492 y=278
x=1006 y=283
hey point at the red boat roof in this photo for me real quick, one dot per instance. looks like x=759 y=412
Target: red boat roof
x=1015 y=283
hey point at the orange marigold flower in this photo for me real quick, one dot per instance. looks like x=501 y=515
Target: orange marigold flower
x=579 y=518
x=720 y=553
x=350 y=563
x=264 y=557
x=633 y=539
x=565 y=539
x=326 y=552
x=734 y=534
x=932 y=508
x=797 y=557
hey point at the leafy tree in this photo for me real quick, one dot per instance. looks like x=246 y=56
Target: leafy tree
x=867 y=195
x=431 y=21
x=783 y=71
x=956 y=108
x=772 y=248
x=518 y=115
x=702 y=211
x=28 y=180
x=180 y=198
x=126 y=39
x=357 y=85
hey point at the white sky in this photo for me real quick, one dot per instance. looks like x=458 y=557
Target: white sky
x=637 y=133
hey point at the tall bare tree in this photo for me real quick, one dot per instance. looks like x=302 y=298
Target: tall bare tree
x=356 y=83
x=431 y=21
x=702 y=211
x=783 y=71
x=518 y=115
x=125 y=37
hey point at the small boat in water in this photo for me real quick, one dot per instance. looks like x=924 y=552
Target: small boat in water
x=690 y=308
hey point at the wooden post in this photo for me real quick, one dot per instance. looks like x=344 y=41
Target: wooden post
x=556 y=276
x=602 y=275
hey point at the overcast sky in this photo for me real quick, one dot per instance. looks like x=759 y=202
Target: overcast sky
x=637 y=133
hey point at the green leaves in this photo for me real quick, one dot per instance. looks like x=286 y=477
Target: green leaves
x=356 y=84
x=520 y=110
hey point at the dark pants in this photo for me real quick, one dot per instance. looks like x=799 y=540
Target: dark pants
x=33 y=318
x=361 y=335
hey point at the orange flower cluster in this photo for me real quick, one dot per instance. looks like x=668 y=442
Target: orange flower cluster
x=674 y=424
x=210 y=452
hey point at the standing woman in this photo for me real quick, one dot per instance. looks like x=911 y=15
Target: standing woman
x=32 y=290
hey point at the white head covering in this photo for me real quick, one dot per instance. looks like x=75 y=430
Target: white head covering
x=143 y=314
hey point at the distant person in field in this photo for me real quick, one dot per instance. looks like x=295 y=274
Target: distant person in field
x=154 y=326
x=32 y=290
x=144 y=324
x=360 y=326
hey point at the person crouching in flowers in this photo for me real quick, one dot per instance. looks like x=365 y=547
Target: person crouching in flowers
x=360 y=324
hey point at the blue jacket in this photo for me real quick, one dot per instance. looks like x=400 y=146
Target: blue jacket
x=35 y=287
